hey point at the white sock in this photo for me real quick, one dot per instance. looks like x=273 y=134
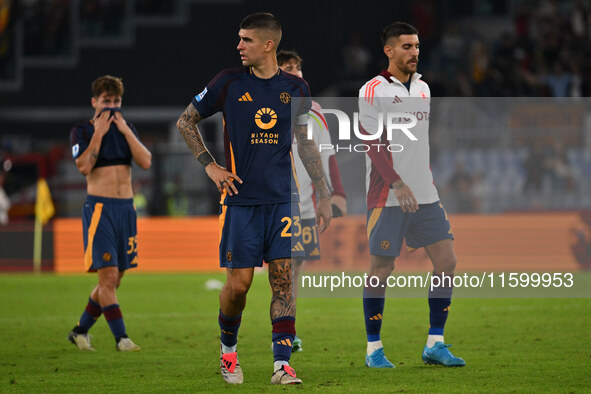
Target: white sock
x=277 y=365
x=373 y=346
x=431 y=339
x=228 y=349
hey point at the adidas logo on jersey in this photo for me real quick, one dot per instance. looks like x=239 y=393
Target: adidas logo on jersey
x=297 y=247
x=315 y=252
x=245 y=97
x=396 y=100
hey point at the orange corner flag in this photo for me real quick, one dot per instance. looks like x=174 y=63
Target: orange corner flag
x=44 y=208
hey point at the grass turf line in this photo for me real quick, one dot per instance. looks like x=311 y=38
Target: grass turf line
x=508 y=344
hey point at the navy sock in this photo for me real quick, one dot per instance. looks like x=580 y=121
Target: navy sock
x=439 y=302
x=90 y=315
x=283 y=335
x=115 y=320
x=229 y=328
x=373 y=309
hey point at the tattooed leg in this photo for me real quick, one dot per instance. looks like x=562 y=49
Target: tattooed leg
x=280 y=278
x=283 y=309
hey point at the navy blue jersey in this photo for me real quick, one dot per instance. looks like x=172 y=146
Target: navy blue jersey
x=114 y=147
x=257 y=131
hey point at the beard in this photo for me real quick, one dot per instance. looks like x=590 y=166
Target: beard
x=409 y=68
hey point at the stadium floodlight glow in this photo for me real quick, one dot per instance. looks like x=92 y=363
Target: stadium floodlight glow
x=345 y=125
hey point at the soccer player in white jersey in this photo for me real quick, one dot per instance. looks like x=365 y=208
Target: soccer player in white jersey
x=291 y=62
x=402 y=200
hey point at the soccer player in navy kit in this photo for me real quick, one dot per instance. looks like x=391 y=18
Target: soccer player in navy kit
x=259 y=211
x=291 y=62
x=103 y=148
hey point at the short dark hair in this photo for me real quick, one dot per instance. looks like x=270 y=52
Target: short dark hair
x=397 y=29
x=109 y=84
x=284 y=57
x=261 y=20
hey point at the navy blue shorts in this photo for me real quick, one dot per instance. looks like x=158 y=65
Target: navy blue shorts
x=110 y=233
x=256 y=233
x=310 y=239
x=388 y=227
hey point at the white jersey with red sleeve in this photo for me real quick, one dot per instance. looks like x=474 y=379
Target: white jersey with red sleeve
x=321 y=136
x=399 y=157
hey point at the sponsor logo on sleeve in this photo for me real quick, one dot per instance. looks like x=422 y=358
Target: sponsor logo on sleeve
x=200 y=96
x=75 y=150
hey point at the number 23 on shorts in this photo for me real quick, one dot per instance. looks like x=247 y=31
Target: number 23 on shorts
x=288 y=222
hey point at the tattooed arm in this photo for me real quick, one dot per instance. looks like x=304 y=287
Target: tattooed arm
x=308 y=151
x=187 y=125
x=283 y=302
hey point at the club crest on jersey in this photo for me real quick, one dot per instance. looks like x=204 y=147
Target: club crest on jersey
x=285 y=97
x=75 y=150
x=265 y=118
x=107 y=256
x=385 y=245
x=199 y=97
x=229 y=256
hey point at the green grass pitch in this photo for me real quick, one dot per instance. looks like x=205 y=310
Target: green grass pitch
x=510 y=345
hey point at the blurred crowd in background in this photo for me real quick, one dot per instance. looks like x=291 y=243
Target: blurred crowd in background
x=477 y=48
x=546 y=53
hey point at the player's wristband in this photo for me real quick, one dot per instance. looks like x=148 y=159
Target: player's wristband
x=302 y=120
x=205 y=159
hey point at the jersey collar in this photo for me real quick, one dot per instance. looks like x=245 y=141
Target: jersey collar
x=390 y=78
x=251 y=72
